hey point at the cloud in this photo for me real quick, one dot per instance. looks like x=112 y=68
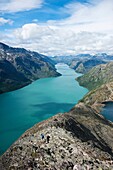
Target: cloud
x=89 y=29
x=19 y=5
x=92 y=16
x=5 y=21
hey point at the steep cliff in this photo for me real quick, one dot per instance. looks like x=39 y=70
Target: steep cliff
x=19 y=67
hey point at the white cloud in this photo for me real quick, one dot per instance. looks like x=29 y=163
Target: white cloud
x=19 y=5
x=90 y=16
x=5 y=21
x=89 y=29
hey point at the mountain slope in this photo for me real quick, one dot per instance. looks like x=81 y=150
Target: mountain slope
x=84 y=66
x=19 y=67
x=97 y=76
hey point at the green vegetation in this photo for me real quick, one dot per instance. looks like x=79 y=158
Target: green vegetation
x=97 y=76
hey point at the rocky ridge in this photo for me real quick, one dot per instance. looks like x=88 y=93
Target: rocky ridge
x=97 y=97
x=80 y=139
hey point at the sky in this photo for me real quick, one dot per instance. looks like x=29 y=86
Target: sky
x=58 y=27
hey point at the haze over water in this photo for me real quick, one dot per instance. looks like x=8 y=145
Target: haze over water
x=21 y=109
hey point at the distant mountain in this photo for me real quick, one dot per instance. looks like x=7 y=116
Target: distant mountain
x=72 y=60
x=68 y=59
x=97 y=76
x=103 y=56
x=84 y=66
x=62 y=59
x=19 y=67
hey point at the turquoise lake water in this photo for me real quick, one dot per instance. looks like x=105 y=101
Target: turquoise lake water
x=107 y=111
x=21 y=109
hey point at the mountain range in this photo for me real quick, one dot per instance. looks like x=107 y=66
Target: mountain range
x=82 y=57
x=82 y=63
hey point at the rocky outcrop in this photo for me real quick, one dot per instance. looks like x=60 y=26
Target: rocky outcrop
x=80 y=139
x=19 y=67
x=96 y=98
x=97 y=76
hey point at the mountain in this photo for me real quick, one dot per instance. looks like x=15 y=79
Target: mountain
x=83 y=66
x=19 y=67
x=68 y=59
x=97 y=76
x=62 y=59
x=83 y=62
x=104 y=56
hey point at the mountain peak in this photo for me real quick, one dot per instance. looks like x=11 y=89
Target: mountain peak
x=4 y=46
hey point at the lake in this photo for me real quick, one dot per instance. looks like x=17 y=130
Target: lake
x=21 y=109
x=107 y=110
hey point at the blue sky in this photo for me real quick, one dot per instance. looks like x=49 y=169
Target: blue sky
x=58 y=27
x=50 y=10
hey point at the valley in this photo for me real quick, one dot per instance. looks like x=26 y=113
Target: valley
x=79 y=135
x=37 y=102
